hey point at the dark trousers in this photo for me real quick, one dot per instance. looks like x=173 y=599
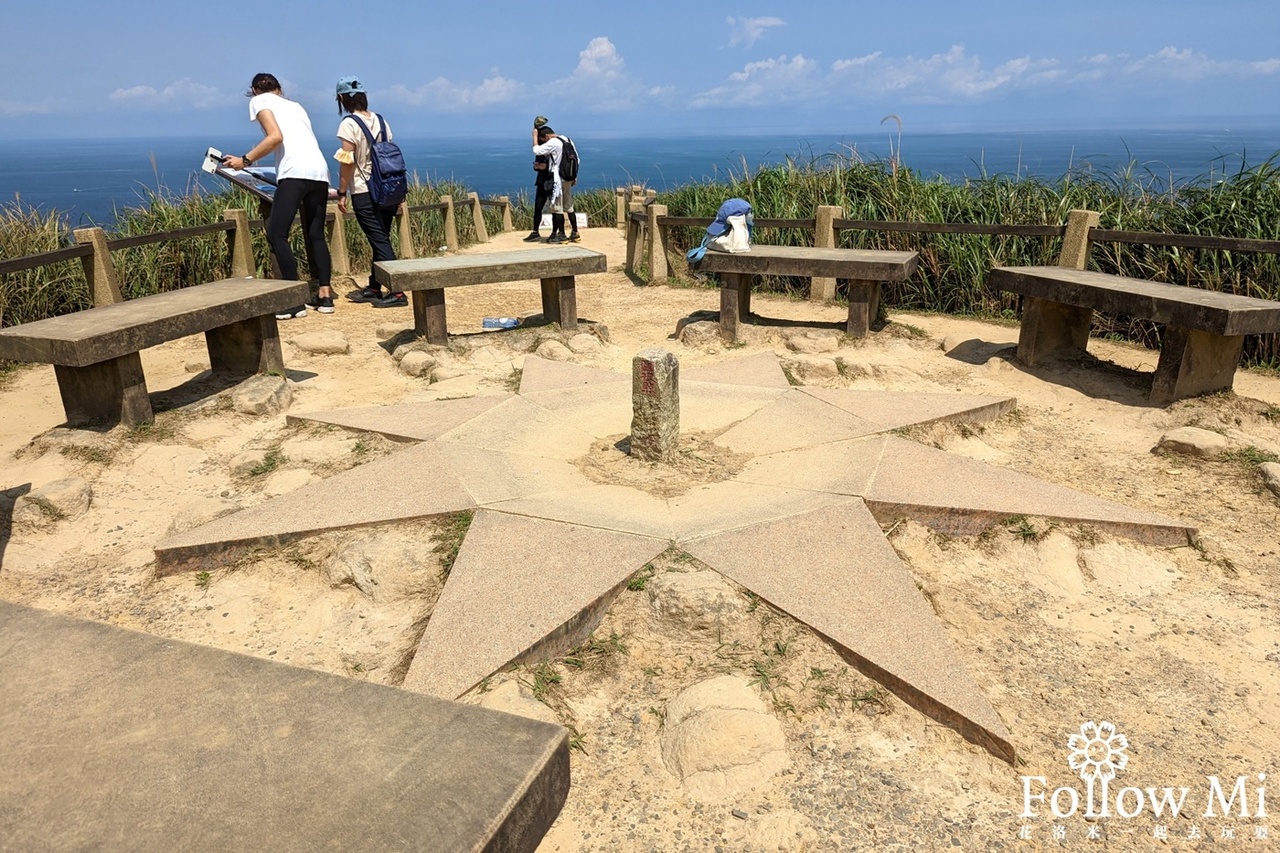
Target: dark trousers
x=375 y=222
x=540 y=197
x=294 y=195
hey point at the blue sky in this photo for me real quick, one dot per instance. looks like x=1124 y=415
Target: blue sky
x=146 y=68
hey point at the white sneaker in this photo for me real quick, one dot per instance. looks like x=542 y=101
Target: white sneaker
x=300 y=311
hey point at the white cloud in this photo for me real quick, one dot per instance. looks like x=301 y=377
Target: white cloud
x=600 y=59
x=185 y=93
x=443 y=94
x=748 y=31
x=599 y=82
x=856 y=62
x=1183 y=65
x=784 y=79
x=24 y=108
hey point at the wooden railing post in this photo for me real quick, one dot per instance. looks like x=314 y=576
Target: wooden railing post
x=620 y=206
x=339 y=258
x=240 y=244
x=1075 y=243
x=477 y=218
x=407 y=249
x=824 y=237
x=99 y=272
x=657 y=245
x=635 y=236
x=450 y=224
x=506 y=213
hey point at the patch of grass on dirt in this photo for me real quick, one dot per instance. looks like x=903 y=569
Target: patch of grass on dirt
x=451 y=530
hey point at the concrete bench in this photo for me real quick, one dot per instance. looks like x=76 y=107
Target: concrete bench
x=864 y=269
x=95 y=352
x=427 y=278
x=1204 y=330
x=118 y=740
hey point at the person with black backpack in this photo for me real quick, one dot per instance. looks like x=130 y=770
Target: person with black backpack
x=362 y=133
x=563 y=168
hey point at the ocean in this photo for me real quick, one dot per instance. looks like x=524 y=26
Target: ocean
x=87 y=180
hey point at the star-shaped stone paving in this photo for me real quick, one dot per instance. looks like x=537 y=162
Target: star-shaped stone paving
x=548 y=549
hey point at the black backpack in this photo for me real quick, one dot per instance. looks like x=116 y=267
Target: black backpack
x=568 y=161
x=388 y=180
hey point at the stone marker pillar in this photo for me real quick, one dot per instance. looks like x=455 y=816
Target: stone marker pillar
x=506 y=213
x=450 y=224
x=240 y=244
x=477 y=218
x=620 y=204
x=824 y=237
x=407 y=249
x=99 y=271
x=1075 y=243
x=339 y=259
x=655 y=405
x=657 y=245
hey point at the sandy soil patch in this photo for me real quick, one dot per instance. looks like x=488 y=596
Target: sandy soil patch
x=1060 y=625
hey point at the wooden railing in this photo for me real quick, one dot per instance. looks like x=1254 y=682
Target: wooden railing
x=648 y=234
x=93 y=248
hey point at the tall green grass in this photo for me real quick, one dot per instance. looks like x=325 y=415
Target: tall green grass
x=953 y=269
x=952 y=275
x=154 y=268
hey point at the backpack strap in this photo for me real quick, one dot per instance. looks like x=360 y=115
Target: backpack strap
x=382 y=128
x=365 y=127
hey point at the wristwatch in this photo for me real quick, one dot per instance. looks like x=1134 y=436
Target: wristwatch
x=247 y=161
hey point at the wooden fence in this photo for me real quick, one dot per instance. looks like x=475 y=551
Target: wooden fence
x=93 y=248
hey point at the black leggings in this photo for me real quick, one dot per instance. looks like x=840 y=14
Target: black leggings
x=375 y=222
x=309 y=197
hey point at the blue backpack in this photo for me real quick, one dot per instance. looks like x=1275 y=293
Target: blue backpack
x=388 y=180
x=732 y=207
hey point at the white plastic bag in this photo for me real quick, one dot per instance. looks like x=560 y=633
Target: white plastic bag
x=736 y=239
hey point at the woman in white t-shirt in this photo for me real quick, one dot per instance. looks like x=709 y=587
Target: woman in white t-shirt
x=302 y=184
x=356 y=157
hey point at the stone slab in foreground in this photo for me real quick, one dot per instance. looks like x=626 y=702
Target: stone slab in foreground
x=117 y=740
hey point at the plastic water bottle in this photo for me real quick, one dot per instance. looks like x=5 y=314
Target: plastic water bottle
x=499 y=323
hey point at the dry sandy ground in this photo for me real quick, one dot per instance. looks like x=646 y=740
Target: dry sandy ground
x=1178 y=647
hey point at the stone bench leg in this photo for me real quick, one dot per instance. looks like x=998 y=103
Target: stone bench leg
x=428 y=315
x=1050 y=327
x=735 y=303
x=1193 y=362
x=560 y=301
x=246 y=347
x=111 y=391
x=864 y=307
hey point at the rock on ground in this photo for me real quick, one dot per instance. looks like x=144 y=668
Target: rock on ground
x=585 y=343
x=719 y=739
x=1270 y=472
x=697 y=602
x=324 y=342
x=553 y=350
x=416 y=363
x=52 y=502
x=1193 y=441
x=700 y=334
x=811 y=342
x=262 y=395
x=387 y=569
